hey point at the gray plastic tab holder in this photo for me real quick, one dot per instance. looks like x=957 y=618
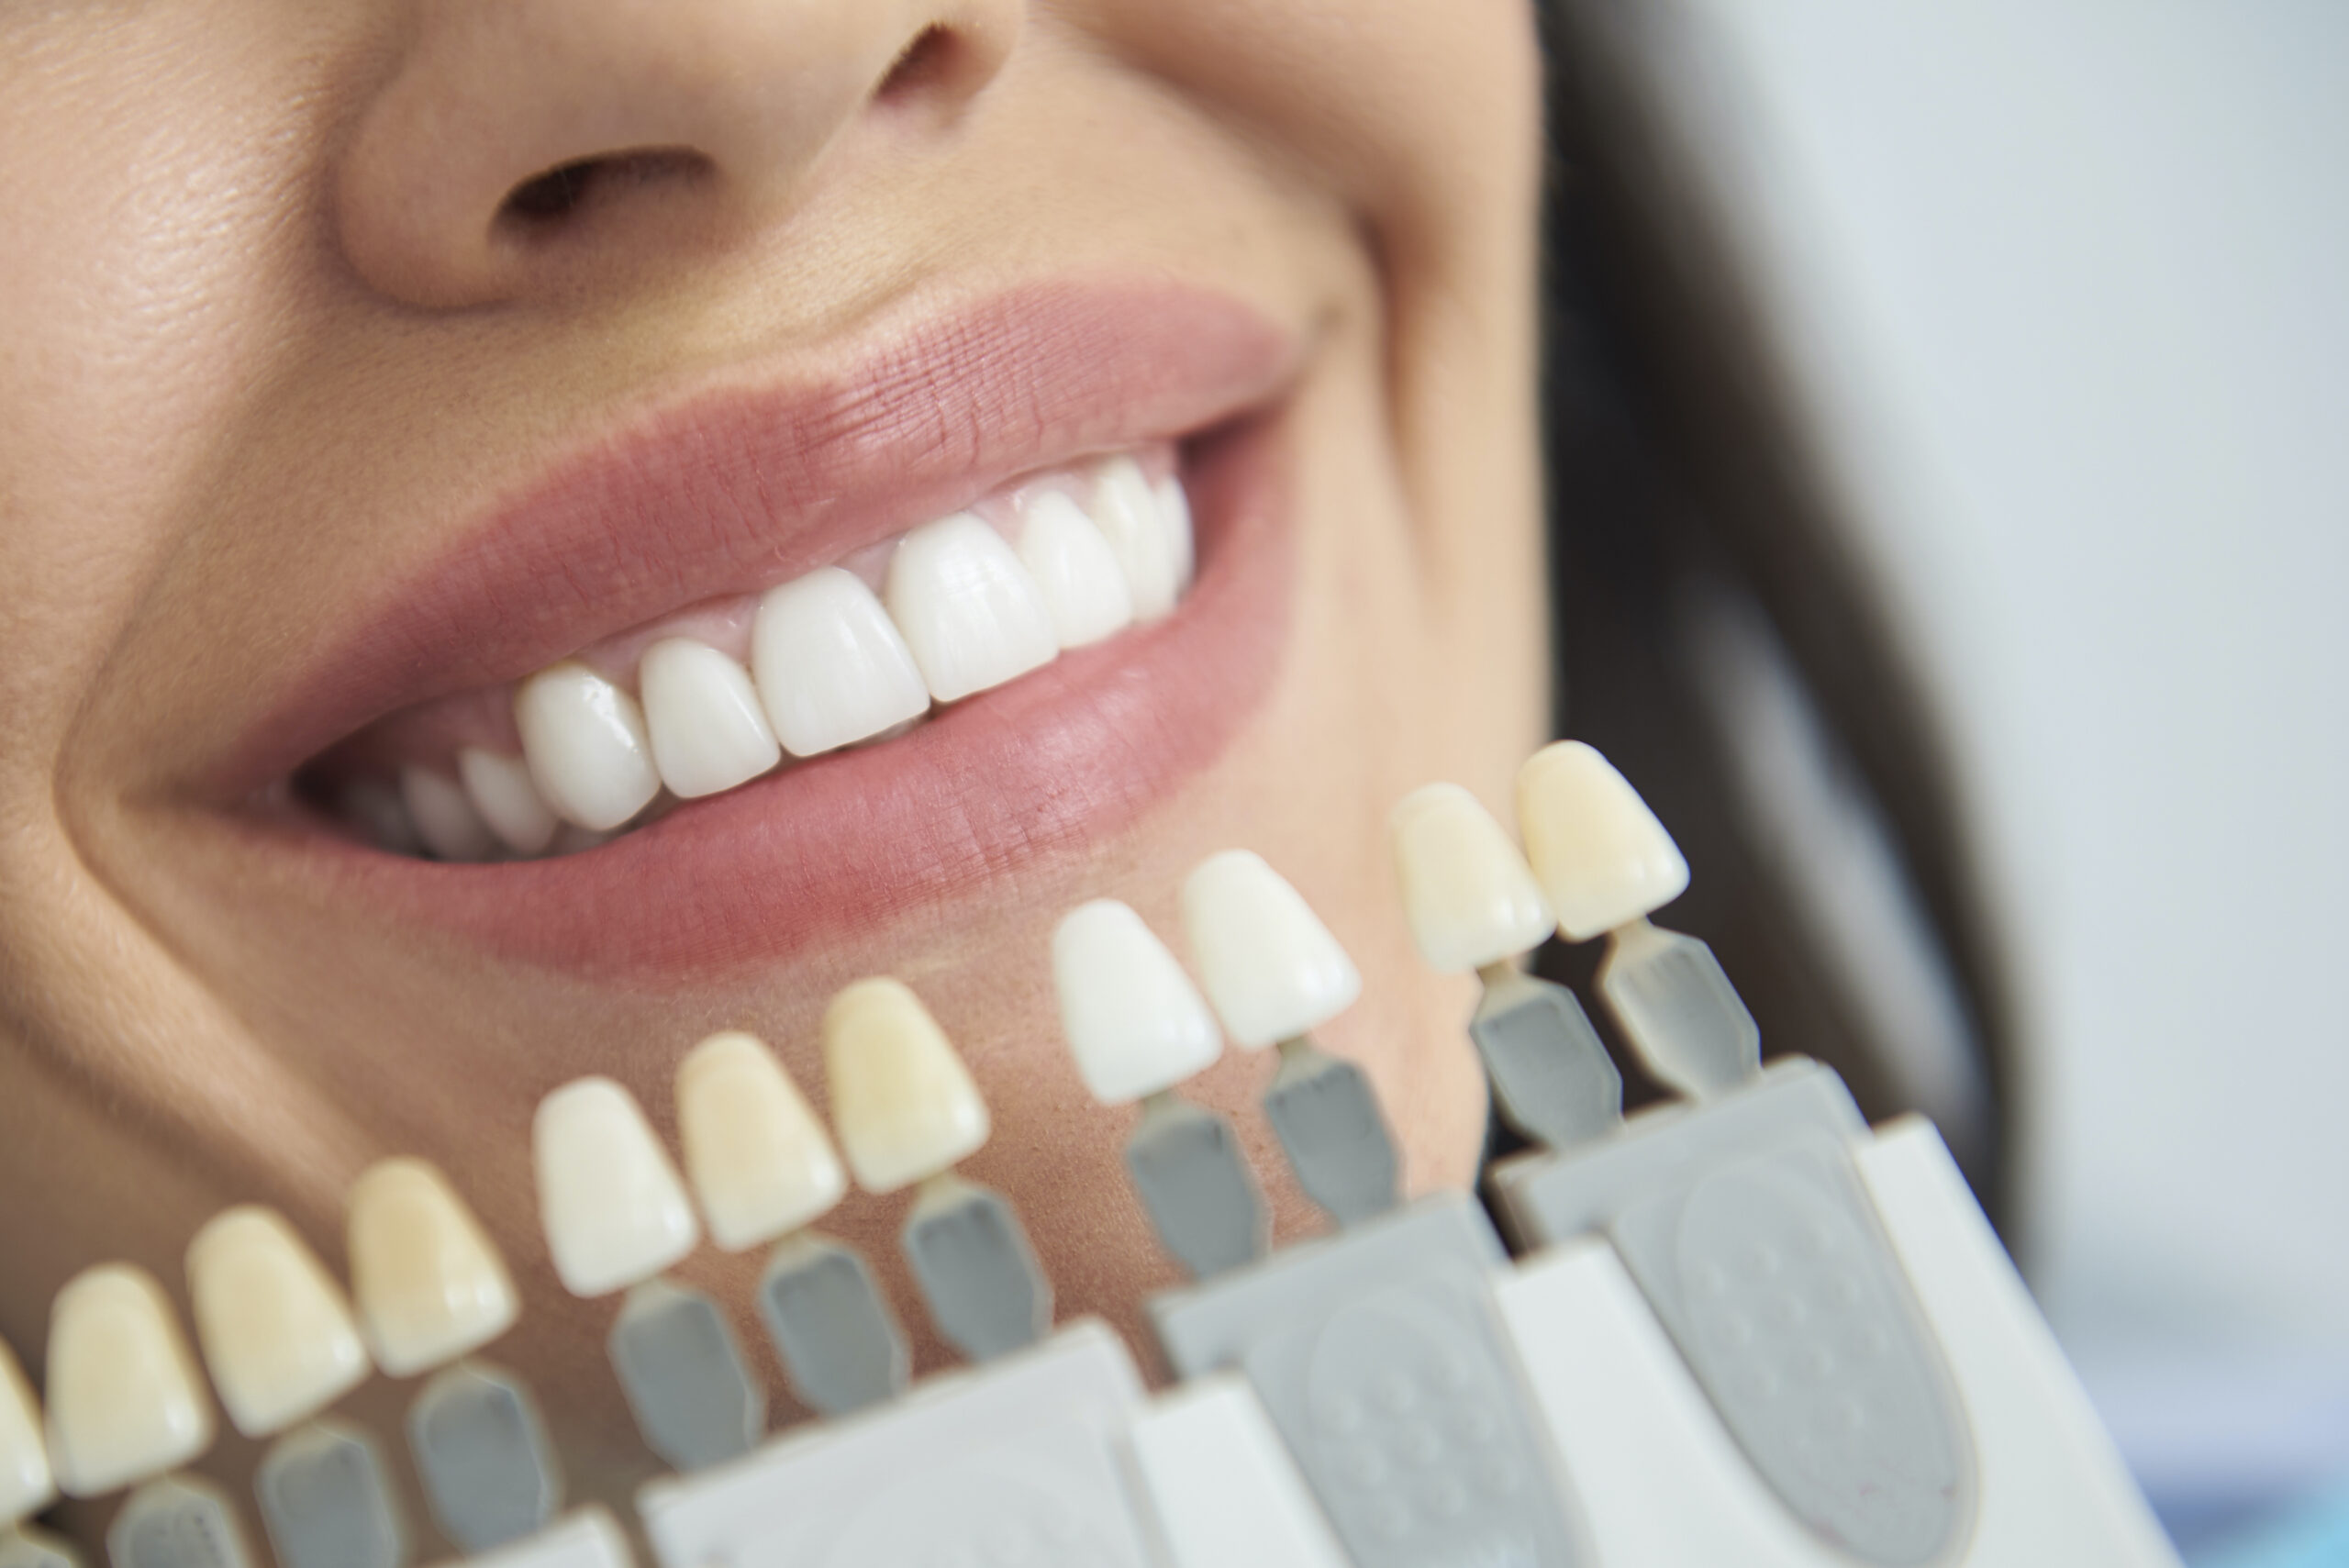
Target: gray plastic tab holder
x=1381 y=1357
x=24 y=1547
x=1680 y=1012
x=1552 y=1077
x=325 y=1500
x=683 y=1377
x=177 y=1522
x=1743 y=1221
x=1192 y=1178
x=1328 y=1118
x=839 y=1344
x=483 y=1455
x=986 y=1292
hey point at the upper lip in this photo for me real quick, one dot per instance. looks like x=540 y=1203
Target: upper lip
x=734 y=487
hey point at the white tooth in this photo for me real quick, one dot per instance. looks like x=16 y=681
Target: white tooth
x=1075 y=570
x=968 y=609
x=1174 y=517
x=614 y=1211
x=1470 y=896
x=903 y=1102
x=1134 y=1021
x=501 y=791
x=444 y=816
x=830 y=666
x=1128 y=514
x=757 y=1155
x=429 y=1286
x=125 y=1400
x=585 y=741
x=275 y=1328
x=709 y=732
x=1603 y=858
x=25 y=1484
x=376 y=809
x=1272 y=967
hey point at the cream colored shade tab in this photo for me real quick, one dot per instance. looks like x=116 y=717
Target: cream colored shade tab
x=26 y=1484
x=429 y=1284
x=275 y=1327
x=126 y=1402
x=903 y=1105
x=613 y=1205
x=1601 y=855
x=759 y=1160
x=1469 y=896
x=1134 y=1021
x=1270 y=966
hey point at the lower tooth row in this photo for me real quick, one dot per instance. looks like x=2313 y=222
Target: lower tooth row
x=831 y=663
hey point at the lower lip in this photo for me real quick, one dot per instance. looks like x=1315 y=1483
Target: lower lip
x=845 y=846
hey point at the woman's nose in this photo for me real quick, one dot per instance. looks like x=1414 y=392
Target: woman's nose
x=524 y=146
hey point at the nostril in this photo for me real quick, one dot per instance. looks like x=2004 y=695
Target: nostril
x=553 y=193
x=546 y=199
x=928 y=60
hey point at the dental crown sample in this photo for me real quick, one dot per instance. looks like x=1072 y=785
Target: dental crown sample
x=126 y=1401
x=759 y=1160
x=275 y=1327
x=428 y=1285
x=1603 y=858
x=25 y=1484
x=1134 y=1021
x=1470 y=898
x=614 y=1209
x=903 y=1103
x=1272 y=968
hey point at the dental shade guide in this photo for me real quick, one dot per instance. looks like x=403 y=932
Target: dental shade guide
x=26 y=1482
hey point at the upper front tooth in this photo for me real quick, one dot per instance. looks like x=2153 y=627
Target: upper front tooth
x=1272 y=967
x=832 y=667
x=709 y=732
x=501 y=791
x=902 y=1100
x=1175 y=515
x=125 y=1399
x=1599 y=851
x=1074 y=568
x=586 y=745
x=1470 y=896
x=26 y=1484
x=1137 y=528
x=1134 y=1021
x=275 y=1328
x=444 y=816
x=968 y=609
x=429 y=1286
x=758 y=1158
x=614 y=1211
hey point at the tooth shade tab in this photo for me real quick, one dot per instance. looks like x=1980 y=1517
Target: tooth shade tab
x=707 y=730
x=1134 y=1021
x=275 y=1329
x=614 y=1209
x=505 y=798
x=1127 y=512
x=1075 y=570
x=25 y=1484
x=1600 y=853
x=760 y=1160
x=1471 y=898
x=445 y=817
x=1272 y=968
x=586 y=744
x=429 y=1286
x=829 y=664
x=125 y=1400
x=903 y=1103
x=966 y=608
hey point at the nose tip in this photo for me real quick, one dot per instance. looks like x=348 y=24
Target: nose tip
x=528 y=145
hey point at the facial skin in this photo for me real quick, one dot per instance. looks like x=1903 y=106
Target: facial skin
x=273 y=356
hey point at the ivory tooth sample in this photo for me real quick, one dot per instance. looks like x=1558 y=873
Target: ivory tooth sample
x=1473 y=903
x=27 y=1485
x=906 y=1110
x=1138 y=1026
x=616 y=1214
x=1608 y=863
x=281 y=1346
x=430 y=1289
x=765 y=1172
x=1275 y=973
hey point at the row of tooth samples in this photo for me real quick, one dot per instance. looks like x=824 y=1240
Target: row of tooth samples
x=616 y=1216
x=961 y=608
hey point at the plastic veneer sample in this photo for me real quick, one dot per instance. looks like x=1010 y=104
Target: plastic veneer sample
x=1021 y=1459
x=971 y=1258
x=1272 y=968
x=586 y=1537
x=1599 y=853
x=483 y=1455
x=1327 y=1116
x=760 y=1160
x=1469 y=896
x=1380 y=1358
x=614 y=1209
x=178 y=1522
x=1551 y=1075
x=428 y=1285
x=1192 y=1177
x=125 y=1399
x=683 y=1377
x=26 y=1484
x=839 y=1344
x=1227 y=1494
x=1135 y=1023
x=274 y=1327
x=326 y=1501
x=1745 y=1226
x=904 y=1104
x=1679 y=1011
